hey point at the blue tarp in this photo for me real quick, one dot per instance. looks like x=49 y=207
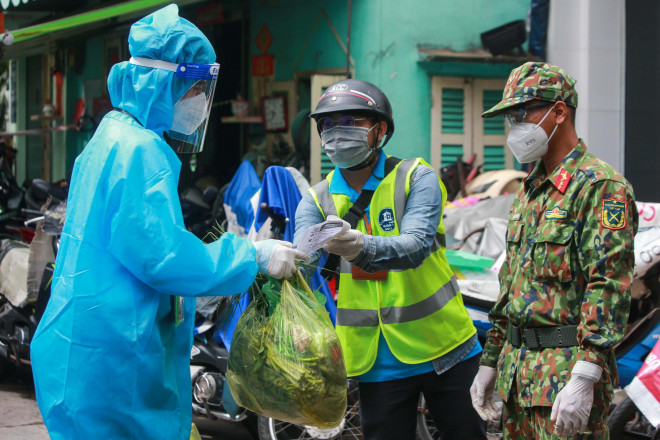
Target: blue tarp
x=280 y=192
x=242 y=187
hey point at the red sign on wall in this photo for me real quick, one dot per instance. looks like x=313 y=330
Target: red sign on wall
x=210 y=14
x=263 y=65
x=264 y=39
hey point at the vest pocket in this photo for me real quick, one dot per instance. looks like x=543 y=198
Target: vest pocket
x=552 y=256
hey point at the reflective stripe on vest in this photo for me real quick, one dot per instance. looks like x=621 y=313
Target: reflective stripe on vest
x=400 y=196
x=398 y=315
x=322 y=191
x=401 y=199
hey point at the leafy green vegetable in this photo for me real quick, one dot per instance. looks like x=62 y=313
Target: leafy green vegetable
x=285 y=360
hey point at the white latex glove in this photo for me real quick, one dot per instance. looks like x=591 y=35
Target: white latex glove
x=570 y=412
x=482 y=392
x=345 y=225
x=277 y=258
x=346 y=244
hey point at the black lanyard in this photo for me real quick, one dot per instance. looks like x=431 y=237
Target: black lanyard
x=121 y=110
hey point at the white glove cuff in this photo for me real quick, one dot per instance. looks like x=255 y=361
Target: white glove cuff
x=490 y=370
x=587 y=370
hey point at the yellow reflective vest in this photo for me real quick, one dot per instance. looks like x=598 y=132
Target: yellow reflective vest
x=420 y=311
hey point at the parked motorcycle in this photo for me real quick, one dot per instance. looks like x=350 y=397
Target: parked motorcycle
x=208 y=367
x=26 y=272
x=625 y=421
x=24 y=205
x=10 y=191
x=11 y=194
x=202 y=210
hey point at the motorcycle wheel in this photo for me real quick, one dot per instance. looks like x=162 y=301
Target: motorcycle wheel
x=426 y=429
x=626 y=422
x=349 y=428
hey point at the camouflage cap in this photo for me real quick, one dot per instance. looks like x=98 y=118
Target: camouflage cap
x=539 y=81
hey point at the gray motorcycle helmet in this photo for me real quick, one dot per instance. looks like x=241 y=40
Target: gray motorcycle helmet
x=355 y=95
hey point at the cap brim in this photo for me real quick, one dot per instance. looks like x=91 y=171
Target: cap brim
x=503 y=105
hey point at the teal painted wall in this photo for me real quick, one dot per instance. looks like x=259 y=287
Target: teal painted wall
x=92 y=69
x=385 y=35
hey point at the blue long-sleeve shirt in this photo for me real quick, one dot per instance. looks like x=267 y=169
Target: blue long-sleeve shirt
x=405 y=251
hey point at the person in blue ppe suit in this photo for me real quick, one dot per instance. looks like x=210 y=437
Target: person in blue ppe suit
x=111 y=354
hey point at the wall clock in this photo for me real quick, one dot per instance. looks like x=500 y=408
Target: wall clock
x=273 y=111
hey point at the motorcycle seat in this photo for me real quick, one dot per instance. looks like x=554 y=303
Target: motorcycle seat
x=637 y=333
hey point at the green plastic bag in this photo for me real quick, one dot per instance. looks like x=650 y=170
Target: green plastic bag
x=287 y=363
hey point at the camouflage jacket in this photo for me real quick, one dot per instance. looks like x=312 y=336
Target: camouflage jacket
x=569 y=262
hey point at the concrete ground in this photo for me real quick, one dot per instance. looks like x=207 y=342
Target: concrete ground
x=21 y=420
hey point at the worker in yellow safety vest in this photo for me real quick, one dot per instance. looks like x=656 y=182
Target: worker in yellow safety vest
x=401 y=320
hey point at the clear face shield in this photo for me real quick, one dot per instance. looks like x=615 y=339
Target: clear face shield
x=192 y=110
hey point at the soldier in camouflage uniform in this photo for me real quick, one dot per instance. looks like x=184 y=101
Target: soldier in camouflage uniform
x=565 y=284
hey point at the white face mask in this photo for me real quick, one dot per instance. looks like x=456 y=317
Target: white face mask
x=347 y=146
x=527 y=141
x=189 y=113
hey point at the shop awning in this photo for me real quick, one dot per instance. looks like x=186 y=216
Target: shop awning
x=32 y=39
x=6 y=3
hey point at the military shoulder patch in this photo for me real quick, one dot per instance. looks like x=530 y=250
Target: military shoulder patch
x=556 y=213
x=614 y=213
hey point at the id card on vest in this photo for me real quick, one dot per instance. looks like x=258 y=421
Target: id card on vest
x=359 y=274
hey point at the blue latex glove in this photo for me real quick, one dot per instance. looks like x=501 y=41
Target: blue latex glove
x=277 y=258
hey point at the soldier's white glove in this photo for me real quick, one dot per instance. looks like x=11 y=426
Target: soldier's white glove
x=570 y=412
x=347 y=244
x=482 y=392
x=277 y=258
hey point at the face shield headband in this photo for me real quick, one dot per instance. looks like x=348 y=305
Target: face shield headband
x=192 y=110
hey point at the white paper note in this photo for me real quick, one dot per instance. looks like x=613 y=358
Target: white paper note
x=317 y=235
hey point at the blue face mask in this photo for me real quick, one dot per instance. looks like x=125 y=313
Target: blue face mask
x=346 y=147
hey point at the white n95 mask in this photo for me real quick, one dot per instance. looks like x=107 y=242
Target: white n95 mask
x=189 y=113
x=527 y=141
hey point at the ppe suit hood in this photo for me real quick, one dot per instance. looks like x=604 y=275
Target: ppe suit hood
x=149 y=94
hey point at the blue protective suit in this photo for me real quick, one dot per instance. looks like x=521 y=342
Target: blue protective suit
x=108 y=360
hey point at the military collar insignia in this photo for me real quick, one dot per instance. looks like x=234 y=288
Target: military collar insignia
x=562 y=175
x=614 y=213
x=561 y=180
x=556 y=213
